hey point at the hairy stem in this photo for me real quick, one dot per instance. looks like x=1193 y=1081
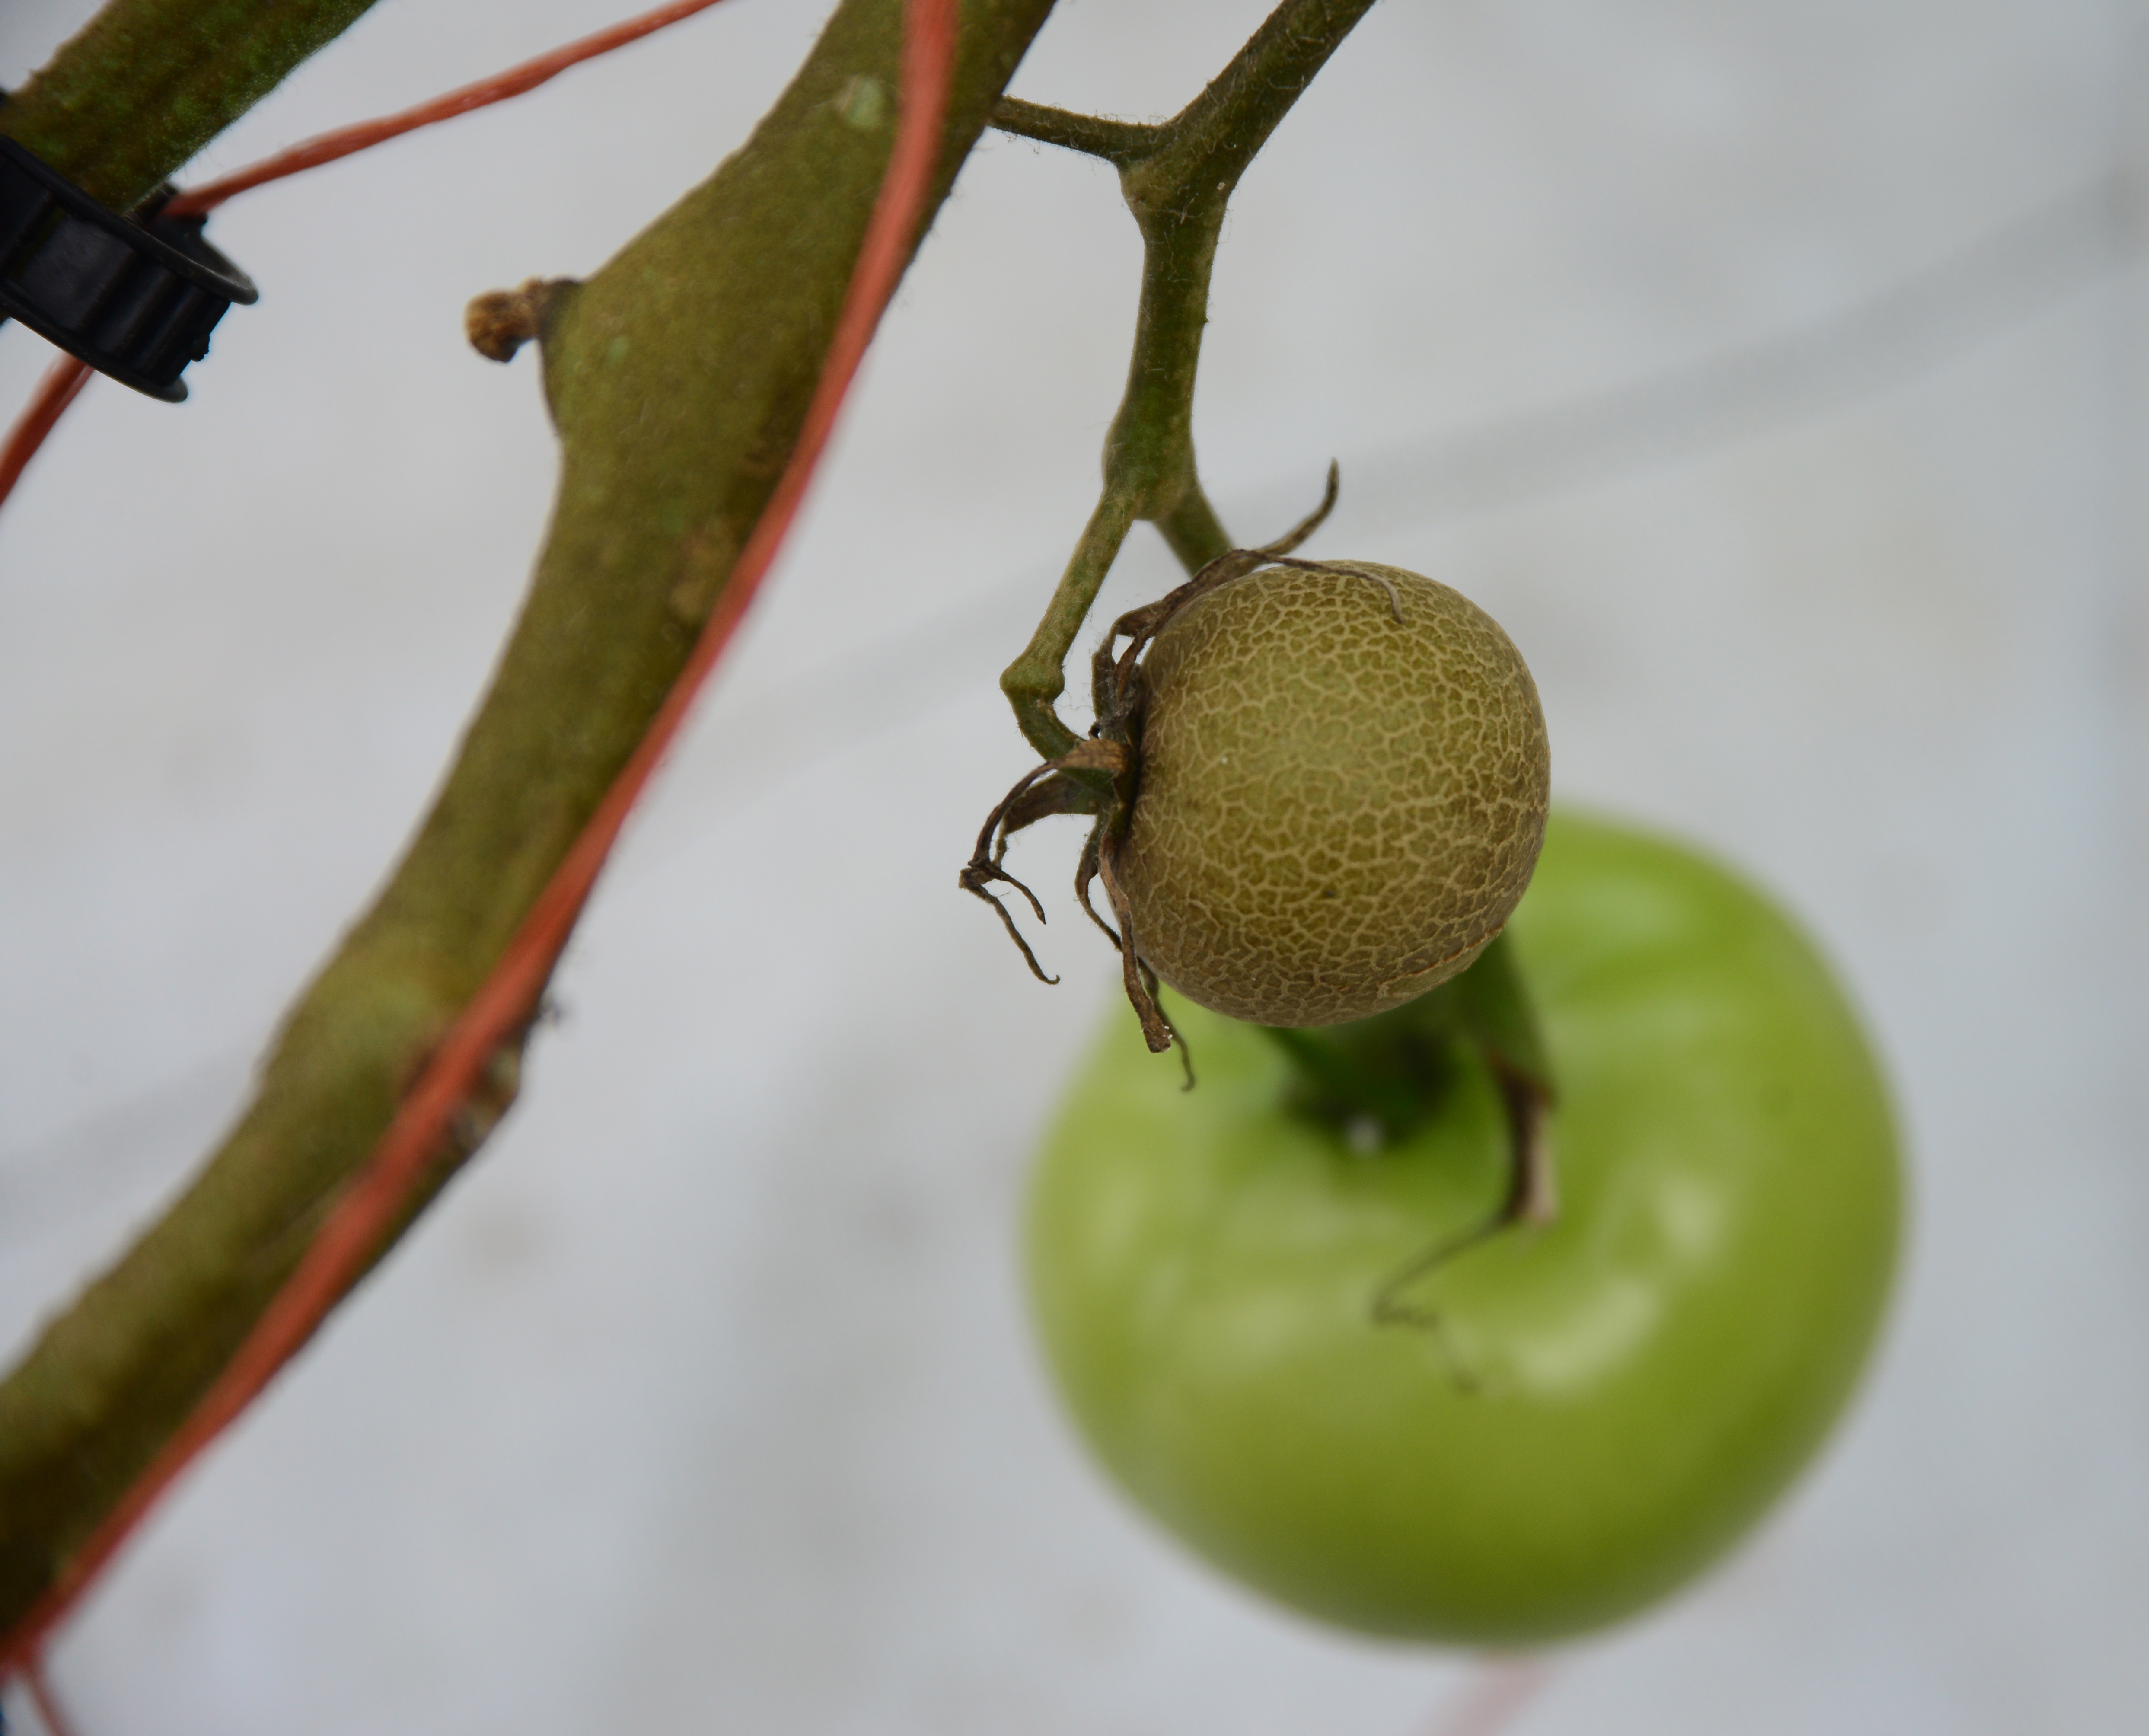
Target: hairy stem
x=1220 y=131
x=678 y=377
x=1177 y=179
x=1115 y=141
x=146 y=83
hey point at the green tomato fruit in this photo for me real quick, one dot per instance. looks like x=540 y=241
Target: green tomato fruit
x=1608 y=1403
x=1344 y=776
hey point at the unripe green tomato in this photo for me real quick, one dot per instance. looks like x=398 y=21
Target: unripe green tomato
x=1608 y=1403
x=1344 y=776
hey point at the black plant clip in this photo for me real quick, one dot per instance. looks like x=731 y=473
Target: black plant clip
x=134 y=300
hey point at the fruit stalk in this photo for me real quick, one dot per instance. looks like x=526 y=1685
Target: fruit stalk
x=1177 y=178
x=1378 y=1080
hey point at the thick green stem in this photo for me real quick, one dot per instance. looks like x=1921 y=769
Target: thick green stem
x=678 y=377
x=147 y=84
x=1178 y=179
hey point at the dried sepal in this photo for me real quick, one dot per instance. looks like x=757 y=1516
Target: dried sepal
x=1040 y=793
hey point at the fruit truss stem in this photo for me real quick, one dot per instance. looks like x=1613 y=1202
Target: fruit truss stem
x=1177 y=178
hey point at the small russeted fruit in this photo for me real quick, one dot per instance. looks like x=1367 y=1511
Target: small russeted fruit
x=1343 y=781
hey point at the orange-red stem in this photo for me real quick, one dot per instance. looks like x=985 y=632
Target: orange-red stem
x=44 y=1700
x=63 y=382
x=312 y=153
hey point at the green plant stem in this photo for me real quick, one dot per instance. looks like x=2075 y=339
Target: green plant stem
x=1040 y=671
x=678 y=377
x=1177 y=179
x=1389 y=1075
x=1394 y=1069
x=1115 y=141
x=146 y=83
x=1191 y=529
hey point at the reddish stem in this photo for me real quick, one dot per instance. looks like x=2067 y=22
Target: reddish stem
x=312 y=153
x=58 y=390
x=504 y=1004
x=43 y=1699
x=1503 y=1689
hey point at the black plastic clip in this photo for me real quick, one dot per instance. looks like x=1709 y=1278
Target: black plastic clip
x=135 y=300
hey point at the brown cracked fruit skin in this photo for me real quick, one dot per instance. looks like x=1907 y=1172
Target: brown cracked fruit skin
x=1336 y=811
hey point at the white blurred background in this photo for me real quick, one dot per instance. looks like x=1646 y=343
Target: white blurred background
x=1773 y=373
